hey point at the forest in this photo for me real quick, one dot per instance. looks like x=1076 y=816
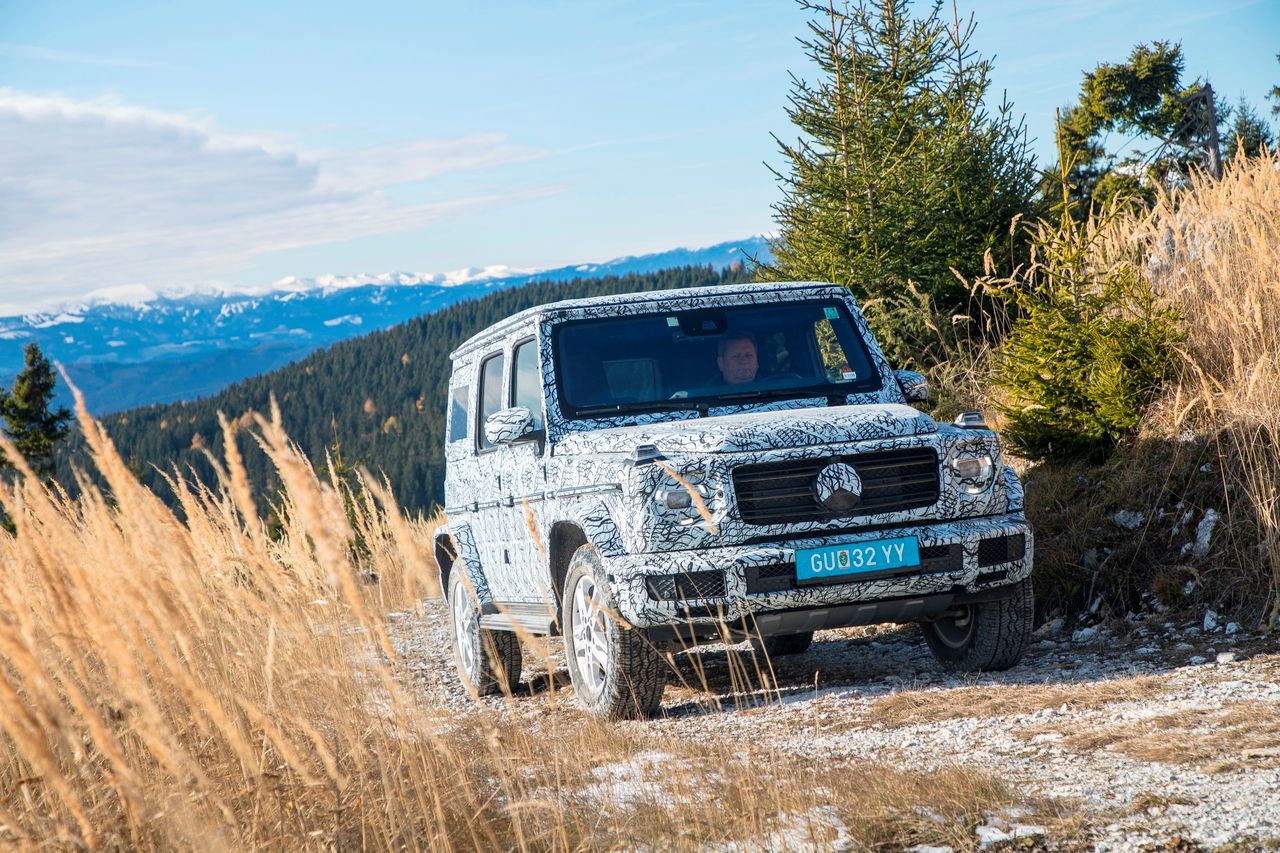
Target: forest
x=375 y=403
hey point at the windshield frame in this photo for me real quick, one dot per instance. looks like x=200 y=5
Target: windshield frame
x=872 y=383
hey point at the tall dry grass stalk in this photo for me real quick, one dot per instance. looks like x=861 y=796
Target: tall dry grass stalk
x=188 y=681
x=1213 y=249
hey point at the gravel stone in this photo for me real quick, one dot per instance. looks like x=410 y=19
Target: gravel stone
x=821 y=706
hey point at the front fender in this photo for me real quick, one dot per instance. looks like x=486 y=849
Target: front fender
x=595 y=517
x=1012 y=491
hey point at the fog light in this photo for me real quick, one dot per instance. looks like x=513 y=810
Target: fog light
x=674 y=498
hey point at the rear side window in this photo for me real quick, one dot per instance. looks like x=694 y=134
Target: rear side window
x=458 y=413
x=490 y=394
x=526 y=390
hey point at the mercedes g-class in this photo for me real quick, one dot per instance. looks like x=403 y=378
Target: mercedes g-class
x=655 y=470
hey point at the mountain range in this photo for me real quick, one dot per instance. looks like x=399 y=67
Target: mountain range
x=133 y=347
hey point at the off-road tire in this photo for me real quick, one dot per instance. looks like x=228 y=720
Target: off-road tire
x=495 y=667
x=783 y=645
x=633 y=671
x=989 y=636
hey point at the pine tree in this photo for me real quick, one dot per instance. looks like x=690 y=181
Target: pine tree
x=34 y=428
x=899 y=174
x=1172 y=125
x=1249 y=135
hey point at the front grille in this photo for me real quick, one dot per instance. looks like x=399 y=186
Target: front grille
x=782 y=492
x=687 y=585
x=780 y=577
x=1001 y=549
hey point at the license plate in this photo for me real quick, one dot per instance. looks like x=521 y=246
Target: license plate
x=857 y=558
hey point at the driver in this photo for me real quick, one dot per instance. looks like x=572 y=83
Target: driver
x=736 y=358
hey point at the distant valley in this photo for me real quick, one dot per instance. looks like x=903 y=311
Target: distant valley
x=165 y=348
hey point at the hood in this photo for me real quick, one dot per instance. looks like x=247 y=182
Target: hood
x=756 y=431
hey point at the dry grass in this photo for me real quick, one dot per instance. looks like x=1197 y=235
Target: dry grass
x=191 y=682
x=915 y=707
x=1239 y=734
x=1214 y=251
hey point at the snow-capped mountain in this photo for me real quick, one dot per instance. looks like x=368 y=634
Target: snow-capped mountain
x=126 y=347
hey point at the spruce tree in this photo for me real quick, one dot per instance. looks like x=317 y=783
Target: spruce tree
x=1171 y=125
x=900 y=173
x=30 y=423
x=1248 y=135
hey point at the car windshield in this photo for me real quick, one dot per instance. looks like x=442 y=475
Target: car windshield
x=710 y=356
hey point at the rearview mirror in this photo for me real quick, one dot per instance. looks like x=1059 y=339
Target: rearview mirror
x=914 y=386
x=508 y=425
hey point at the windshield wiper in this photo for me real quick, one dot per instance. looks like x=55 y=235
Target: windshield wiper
x=781 y=393
x=683 y=404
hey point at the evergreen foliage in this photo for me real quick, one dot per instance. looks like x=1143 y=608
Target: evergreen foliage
x=376 y=402
x=34 y=428
x=899 y=174
x=1143 y=97
x=1089 y=346
x=1249 y=135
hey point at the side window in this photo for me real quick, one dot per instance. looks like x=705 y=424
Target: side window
x=526 y=390
x=490 y=394
x=835 y=359
x=458 y=413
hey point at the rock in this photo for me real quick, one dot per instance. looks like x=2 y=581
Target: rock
x=1026 y=830
x=1146 y=650
x=1210 y=620
x=1204 y=532
x=1197 y=659
x=1129 y=519
x=1084 y=635
x=990 y=834
x=925 y=848
x=1232 y=628
x=1188 y=587
x=1226 y=657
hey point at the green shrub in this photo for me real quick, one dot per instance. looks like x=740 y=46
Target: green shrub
x=1089 y=346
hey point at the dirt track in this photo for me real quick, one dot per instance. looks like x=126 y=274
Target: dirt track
x=1168 y=732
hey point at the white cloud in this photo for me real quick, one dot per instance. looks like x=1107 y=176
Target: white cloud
x=103 y=194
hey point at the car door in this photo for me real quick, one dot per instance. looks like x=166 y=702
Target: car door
x=493 y=512
x=525 y=470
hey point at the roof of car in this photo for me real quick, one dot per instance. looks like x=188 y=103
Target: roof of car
x=503 y=327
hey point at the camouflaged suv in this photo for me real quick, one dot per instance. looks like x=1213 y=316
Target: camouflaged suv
x=642 y=471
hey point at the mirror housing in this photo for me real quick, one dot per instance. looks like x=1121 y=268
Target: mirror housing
x=914 y=386
x=508 y=425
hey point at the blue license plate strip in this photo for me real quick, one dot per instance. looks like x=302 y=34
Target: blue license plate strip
x=833 y=562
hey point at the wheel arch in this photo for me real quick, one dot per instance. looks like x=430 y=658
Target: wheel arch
x=566 y=537
x=455 y=547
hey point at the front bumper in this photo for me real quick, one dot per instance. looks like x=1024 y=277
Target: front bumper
x=757 y=582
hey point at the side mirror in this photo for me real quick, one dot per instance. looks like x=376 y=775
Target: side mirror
x=508 y=425
x=914 y=386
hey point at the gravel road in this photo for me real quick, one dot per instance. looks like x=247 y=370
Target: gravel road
x=1159 y=734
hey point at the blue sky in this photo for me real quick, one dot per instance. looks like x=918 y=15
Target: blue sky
x=159 y=145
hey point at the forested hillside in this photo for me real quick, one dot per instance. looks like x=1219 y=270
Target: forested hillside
x=376 y=401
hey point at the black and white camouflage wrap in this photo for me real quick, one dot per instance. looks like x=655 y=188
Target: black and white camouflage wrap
x=503 y=503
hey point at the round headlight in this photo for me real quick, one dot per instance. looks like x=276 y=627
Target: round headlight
x=976 y=473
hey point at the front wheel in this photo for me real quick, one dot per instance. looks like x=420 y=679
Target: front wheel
x=488 y=662
x=984 y=637
x=615 y=670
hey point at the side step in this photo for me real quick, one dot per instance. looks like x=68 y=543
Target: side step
x=534 y=617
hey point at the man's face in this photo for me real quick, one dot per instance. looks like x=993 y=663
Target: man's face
x=738 y=364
